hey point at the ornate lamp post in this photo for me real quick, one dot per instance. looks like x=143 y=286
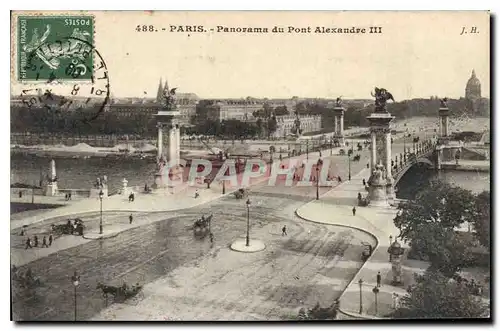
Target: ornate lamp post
x=360 y=282
x=318 y=164
x=375 y=291
x=390 y=240
x=349 y=152
x=248 y=221
x=101 y=195
x=75 y=279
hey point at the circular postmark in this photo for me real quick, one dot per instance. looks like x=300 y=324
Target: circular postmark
x=77 y=83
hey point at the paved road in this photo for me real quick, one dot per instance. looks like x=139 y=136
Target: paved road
x=147 y=253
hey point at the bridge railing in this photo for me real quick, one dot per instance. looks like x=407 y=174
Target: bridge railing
x=405 y=160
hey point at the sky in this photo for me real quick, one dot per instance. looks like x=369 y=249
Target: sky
x=418 y=54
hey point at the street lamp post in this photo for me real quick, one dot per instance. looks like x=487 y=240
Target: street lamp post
x=349 y=159
x=248 y=222
x=101 y=195
x=375 y=291
x=390 y=240
x=75 y=279
x=331 y=145
x=223 y=187
x=317 y=179
x=360 y=282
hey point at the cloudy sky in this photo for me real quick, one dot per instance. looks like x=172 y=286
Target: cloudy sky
x=417 y=54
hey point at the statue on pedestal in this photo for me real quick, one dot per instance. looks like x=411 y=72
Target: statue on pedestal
x=381 y=96
x=444 y=103
x=338 y=102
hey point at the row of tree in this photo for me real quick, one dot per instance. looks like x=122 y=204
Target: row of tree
x=233 y=129
x=429 y=223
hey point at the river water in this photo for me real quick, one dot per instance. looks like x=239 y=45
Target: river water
x=82 y=173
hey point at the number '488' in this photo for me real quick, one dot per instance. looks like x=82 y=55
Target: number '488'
x=145 y=28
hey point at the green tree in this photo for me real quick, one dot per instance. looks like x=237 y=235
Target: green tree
x=436 y=296
x=281 y=110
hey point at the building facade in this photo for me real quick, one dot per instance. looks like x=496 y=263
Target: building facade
x=285 y=125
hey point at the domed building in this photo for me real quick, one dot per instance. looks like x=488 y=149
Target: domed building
x=473 y=88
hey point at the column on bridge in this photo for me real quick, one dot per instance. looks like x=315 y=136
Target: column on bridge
x=339 y=124
x=159 y=143
x=373 y=155
x=388 y=167
x=444 y=121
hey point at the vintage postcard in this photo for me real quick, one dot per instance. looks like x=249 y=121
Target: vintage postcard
x=250 y=166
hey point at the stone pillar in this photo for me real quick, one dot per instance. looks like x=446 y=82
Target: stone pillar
x=381 y=183
x=178 y=144
x=339 y=124
x=388 y=166
x=160 y=140
x=373 y=146
x=444 y=132
x=51 y=188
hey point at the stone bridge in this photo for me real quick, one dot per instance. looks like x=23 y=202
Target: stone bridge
x=423 y=153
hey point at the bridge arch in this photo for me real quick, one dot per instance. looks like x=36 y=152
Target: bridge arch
x=419 y=160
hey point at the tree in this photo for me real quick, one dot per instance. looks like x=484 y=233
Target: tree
x=281 y=110
x=483 y=218
x=272 y=125
x=440 y=203
x=436 y=296
x=429 y=223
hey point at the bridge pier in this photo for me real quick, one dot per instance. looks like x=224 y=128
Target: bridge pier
x=168 y=166
x=381 y=190
x=339 y=124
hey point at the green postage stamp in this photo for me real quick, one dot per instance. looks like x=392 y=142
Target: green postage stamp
x=55 y=47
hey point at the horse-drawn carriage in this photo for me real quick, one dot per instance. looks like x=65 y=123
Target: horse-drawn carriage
x=201 y=227
x=26 y=280
x=119 y=293
x=240 y=193
x=75 y=228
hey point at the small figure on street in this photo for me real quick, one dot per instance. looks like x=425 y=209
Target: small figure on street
x=196 y=194
x=368 y=166
x=379 y=279
x=69 y=196
x=146 y=187
x=130 y=219
x=364 y=182
x=35 y=239
x=20 y=194
x=283 y=231
x=44 y=242
x=339 y=179
x=50 y=239
x=28 y=243
x=66 y=197
x=359 y=197
x=281 y=158
x=22 y=232
x=211 y=238
x=354 y=211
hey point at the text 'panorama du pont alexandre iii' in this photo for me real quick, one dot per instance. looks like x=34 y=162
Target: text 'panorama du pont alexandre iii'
x=254 y=29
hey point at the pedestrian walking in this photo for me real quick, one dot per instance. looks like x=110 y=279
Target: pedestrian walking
x=354 y=211
x=196 y=194
x=283 y=231
x=44 y=242
x=36 y=241
x=211 y=238
x=368 y=166
x=66 y=197
x=360 y=197
x=339 y=179
x=69 y=196
x=379 y=279
x=20 y=194
x=364 y=182
x=130 y=219
x=50 y=239
x=28 y=243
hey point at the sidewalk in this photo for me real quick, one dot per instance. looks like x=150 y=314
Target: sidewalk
x=335 y=207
